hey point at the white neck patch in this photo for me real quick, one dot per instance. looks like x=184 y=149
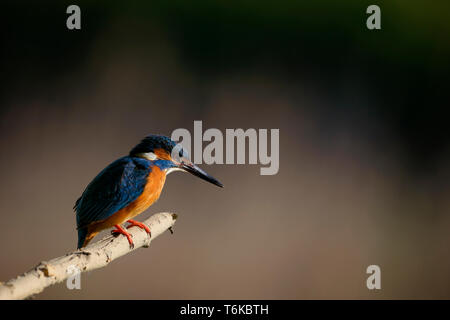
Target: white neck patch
x=148 y=156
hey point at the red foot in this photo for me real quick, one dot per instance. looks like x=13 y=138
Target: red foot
x=140 y=225
x=120 y=230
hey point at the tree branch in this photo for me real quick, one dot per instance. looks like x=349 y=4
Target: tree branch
x=94 y=256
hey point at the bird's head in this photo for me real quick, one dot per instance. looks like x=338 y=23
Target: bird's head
x=169 y=156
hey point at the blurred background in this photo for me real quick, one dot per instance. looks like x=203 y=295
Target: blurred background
x=364 y=143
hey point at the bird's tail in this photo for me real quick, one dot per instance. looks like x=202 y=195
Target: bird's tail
x=82 y=234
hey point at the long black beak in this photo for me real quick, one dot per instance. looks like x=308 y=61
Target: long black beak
x=196 y=171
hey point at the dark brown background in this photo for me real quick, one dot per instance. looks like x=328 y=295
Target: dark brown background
x=364 y=157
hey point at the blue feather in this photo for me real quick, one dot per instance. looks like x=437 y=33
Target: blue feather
x=112 y=189
x=82 y=234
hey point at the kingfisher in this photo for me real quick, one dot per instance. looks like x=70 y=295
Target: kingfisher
x=129 y=186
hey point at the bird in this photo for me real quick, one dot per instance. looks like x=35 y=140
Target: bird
x=129 y=186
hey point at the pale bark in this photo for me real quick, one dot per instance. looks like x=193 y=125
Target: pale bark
x=94 y=256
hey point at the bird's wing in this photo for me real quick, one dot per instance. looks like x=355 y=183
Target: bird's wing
x=112 y=189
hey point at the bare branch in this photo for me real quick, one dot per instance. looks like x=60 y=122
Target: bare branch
x=94 y=256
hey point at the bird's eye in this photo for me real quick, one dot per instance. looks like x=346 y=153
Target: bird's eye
x=184 y=154
x=178 y=152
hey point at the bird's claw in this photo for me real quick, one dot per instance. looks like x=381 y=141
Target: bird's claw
x=120 y=230
x=133 y=223
x=117 y=232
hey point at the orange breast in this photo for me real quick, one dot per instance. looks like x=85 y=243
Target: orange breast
x=151 y=193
